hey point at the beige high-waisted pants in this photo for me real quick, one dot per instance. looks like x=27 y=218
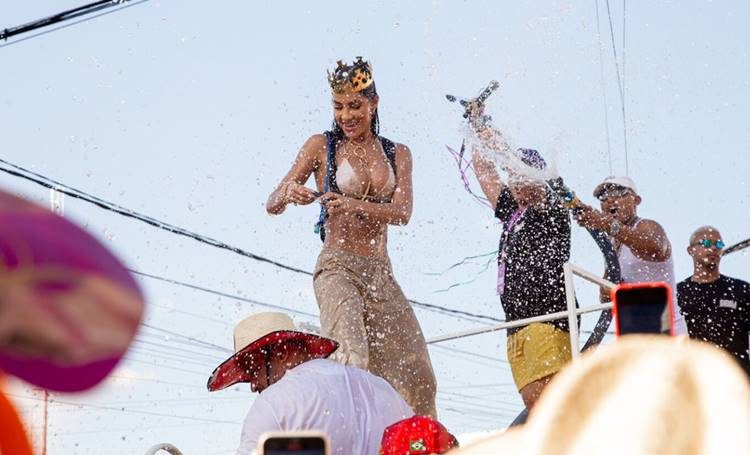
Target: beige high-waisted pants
x=363 y=308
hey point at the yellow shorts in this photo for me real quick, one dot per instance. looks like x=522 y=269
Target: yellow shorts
x=536 y=351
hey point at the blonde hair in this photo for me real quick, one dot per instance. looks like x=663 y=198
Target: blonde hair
x=643 y=395
x=647 y=395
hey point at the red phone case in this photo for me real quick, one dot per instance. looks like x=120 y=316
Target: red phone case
x=627 y=286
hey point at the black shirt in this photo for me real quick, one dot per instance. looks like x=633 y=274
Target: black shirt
x=719 y=313
x=535 y=250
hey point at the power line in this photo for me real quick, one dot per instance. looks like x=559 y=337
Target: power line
x=175 y=350
x=125 y=430
x=604 y=88
x=423 y=305
x=187 y=341
x=472 y=354
x=494 y=402
x=112 y=207
x=475 y=415
x=57 y=18
x=189 y=313
x=426 y=306
x=153 y=364
x=173 y=353
x=479 y=386
x=624 y=15
x=180 y=359
x=122 y=409
x=65 y=16
x=456 y=313
x=200 y=342
x=49 y=183
x=220 y=293
x=179 y=354
x=619 y=85
x=159 y=381
x=177 y=401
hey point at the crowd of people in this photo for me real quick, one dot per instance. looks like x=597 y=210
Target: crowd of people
x=367 y=380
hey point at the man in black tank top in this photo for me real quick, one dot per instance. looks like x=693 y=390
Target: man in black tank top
x=716 y=307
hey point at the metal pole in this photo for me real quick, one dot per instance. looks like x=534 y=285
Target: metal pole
x=518 y=323
x=572 y=270
x=588 y=276
x=570 y=300
x=44 y=428
x=57 y=205
x=56 y=201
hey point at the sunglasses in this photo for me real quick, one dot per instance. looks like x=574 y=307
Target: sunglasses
x=706 y=243
x=614 y=193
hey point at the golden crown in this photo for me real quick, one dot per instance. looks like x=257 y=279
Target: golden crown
x=351 y=78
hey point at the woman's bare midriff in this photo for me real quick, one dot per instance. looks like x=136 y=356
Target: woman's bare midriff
x=356 y=234
x=353 y=233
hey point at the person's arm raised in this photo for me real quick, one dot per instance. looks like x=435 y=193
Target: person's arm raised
x=397 y=212
x=292 y=189
x=486 y=172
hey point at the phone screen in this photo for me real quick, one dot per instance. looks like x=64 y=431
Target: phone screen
x=643 y=310
x=310 y=445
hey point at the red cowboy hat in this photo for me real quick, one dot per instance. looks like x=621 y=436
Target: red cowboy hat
x=253 y=334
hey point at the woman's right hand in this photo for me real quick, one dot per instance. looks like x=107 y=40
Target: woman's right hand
x=297 y=194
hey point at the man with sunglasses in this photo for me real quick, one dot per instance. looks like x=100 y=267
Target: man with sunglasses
x=643 y=249
x=716 y=307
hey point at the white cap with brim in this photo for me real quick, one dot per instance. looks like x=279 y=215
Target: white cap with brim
x=614 y=181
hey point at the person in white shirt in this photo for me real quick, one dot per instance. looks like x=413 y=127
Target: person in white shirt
x=643 y=249
x=301 y=390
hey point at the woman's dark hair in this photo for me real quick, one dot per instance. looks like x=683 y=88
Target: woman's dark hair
x=369 y=93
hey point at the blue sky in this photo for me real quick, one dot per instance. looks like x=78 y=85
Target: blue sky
x=192 y=111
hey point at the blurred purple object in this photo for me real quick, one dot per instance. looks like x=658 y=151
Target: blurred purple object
x=68 y=307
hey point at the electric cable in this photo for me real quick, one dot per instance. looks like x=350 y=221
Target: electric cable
x=62 y=17
x=49 y=183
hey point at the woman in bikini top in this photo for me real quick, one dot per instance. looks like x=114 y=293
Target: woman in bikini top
x=373 y=191
x=366 y=181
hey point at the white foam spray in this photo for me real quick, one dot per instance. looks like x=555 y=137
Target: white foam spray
x=495 y=147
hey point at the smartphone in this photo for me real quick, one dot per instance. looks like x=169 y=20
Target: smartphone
x=294 y=443
x=643 y=308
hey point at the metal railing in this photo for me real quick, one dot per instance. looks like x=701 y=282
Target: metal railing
x=571 y=312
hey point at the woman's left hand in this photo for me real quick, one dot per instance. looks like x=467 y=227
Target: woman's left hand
x=336 y=203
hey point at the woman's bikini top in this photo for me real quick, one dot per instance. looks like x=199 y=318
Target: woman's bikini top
x=344 y=180
x=352 y=184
